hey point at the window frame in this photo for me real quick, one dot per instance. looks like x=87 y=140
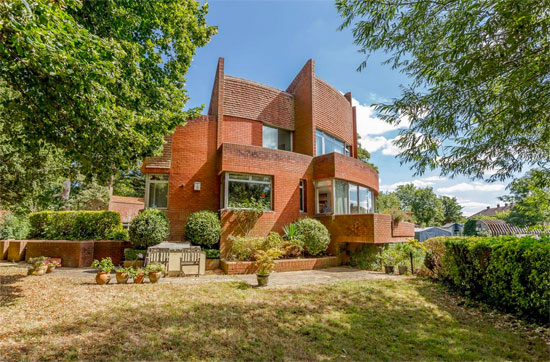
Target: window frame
x=346 y=148
x=226 y=179
x=302 y=187
x=291 y=136
x=148 y=183
x=333 y=182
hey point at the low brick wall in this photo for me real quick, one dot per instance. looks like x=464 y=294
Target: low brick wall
x=73 y=254
x=16 y=250
x=212 y=264
x=284 y=265
x=4 y=249
x=113 y=249
x=402 y=229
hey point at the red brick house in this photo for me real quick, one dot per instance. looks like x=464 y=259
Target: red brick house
x=293 y=150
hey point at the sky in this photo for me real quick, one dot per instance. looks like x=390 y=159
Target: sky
x=269 y=42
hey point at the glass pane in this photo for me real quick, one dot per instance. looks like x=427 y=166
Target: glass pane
x=353 y=202
x=158 y=195
x=324 y=200
x=238 y=176
x=158 y=177
x=364 y=200
x=249 y=194
x=269 y=137
x=284 y=140
x=319 y=143
x=341 y=197
x=260 y=178
x=301 y=195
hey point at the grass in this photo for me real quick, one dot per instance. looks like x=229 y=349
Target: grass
x=55 y=318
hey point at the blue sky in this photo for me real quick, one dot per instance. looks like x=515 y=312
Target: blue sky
x=269 y=41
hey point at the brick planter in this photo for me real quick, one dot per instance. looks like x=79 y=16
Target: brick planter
x=212 y=264
x=73 y=254
x=284 y=265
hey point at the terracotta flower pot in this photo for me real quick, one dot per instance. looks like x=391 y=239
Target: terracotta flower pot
x=51 y=269
x=139 y=278
x=403 y=269
x=154 y=276
x=389 y=269
x=262 y=279
x=102 y=278
x=122 y=277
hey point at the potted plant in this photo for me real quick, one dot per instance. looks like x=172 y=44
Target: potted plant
x=51 y=265
x=403 y=269
x=265 y=261
x=155 y=271
x=389 y=258
x=105 y=266
x=137 y=275
x=39 y=266
x=122 y=275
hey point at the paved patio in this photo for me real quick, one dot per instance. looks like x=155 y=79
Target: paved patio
x=275 y=280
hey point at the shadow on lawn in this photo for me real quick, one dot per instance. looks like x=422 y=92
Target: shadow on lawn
x=9 y=292
x=334 y=322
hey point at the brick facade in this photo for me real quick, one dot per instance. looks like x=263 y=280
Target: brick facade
x=229 y=139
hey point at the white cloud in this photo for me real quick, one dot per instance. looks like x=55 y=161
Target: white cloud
x=471 y=207
x=473 y=186
x=369 y=124
x=422 y=182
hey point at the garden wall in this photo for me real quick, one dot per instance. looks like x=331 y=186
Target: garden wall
x=284 y=265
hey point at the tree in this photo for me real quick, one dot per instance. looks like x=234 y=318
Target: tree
x=426 y=208
x=530 y=198
x=130 y=183
x=479 y=70
x=363 y=154
x=452 y=211
x=387 y=201
x=94 y=83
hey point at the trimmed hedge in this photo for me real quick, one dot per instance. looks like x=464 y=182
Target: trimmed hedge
x=74 y=225
x=313 y=234
x=149 y=227
x=203 y=228
x=509 y=272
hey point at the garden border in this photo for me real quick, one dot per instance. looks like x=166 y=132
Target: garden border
x=282 y=265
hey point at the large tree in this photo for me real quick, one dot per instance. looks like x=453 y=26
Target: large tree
x=424 y=205
x=96 y=83
x=480 y=80
x=452 y=211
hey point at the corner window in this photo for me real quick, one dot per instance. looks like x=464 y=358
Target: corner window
x=302 y=195
x=276 y=138
x=349 y=198
x=327 y=144
x=156 y=191
x=247 y=191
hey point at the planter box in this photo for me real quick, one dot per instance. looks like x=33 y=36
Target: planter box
x=4 y=249
x=16 y=250
x=113 y=249
x=212 y=264
x=74 y=254
x=133 y=263
x=283 y=265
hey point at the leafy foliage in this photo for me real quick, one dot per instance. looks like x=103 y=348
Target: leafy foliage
x=425 y=206
x=91 y=85
x=134 y=254
x=131 y=183
x=212 y=253
x=148 y=228
x=363 y=154
x=313 y=234
x=245 y=247
x=105 y=265
x=452 y=211
x=386 y=201
x=74 y=225
x=479 y=70
x=265 y=260
x=203 y=228
x=13 y=227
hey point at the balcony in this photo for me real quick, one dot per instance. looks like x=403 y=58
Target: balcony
x=335 y=165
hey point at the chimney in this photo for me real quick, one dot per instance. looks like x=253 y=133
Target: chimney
x=488 y=207
x=498 y=205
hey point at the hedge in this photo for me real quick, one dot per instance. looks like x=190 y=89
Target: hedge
x=510 y=273
x=74 y=225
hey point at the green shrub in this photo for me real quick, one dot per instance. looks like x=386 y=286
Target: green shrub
x=313 y=234
x=212 y=253
x=119 y=235
x=470 y=227
x=509 y=272
x=74 y=225
x=273 y=241
x=148 y=228
x=433 y=259
x=134 y=254
x=245 y=247
x=203 y=228
x=13 y=227
x=366 y=257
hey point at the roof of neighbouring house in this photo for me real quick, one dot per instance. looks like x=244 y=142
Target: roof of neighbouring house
x=128 y=199
x=500 y=227
x=127 y=207
x=492 y=211
x=164 y=160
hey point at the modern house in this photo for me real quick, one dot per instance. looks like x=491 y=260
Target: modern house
x=292 y=152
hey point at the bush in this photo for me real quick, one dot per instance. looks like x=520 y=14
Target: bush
x=134 y=254
x=245 y=247
x=212 y=253
x=433 y=260
x=74 y=225
x=366 y=257
x=273 y=241
x=203 y=228
x=148 y=228
x=119 y=235
x=313 y=234
x=509 y=272
x=13 y=227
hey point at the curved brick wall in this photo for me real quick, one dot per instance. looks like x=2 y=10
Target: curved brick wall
x=345 y=168
x=246 y=99
x=332 y=112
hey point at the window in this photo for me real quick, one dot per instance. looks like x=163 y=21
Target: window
x=156 y=191
x=277 y=139
x=302 y=195
x=247 y=191
x=327 y=144
x=349 y=198
x=324 y=197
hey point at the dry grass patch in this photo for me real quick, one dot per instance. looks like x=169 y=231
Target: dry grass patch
x=55 y=318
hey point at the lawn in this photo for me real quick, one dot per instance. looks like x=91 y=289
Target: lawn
x=53 y=318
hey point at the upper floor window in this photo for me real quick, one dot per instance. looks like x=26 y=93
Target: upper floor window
x=326 y=144
x=244 y=191
x=156 y=191
x=276 y=138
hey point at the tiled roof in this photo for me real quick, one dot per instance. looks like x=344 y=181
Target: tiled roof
x=492 y=211
x=127 y=199
x=164 y=160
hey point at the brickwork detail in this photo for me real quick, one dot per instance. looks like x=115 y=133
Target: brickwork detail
x=332 y=111
x=284 y=265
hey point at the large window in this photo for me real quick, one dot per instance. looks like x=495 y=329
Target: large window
x=156 y=191
x=327 y=144
x=349 y=198
x=277 y=139
x=247 y=191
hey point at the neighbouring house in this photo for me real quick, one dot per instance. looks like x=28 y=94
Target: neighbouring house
x=422 y=234
x=293 y=151
x=492 y=211
x=491 y=227
x=454 y=227
x=127 y=207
